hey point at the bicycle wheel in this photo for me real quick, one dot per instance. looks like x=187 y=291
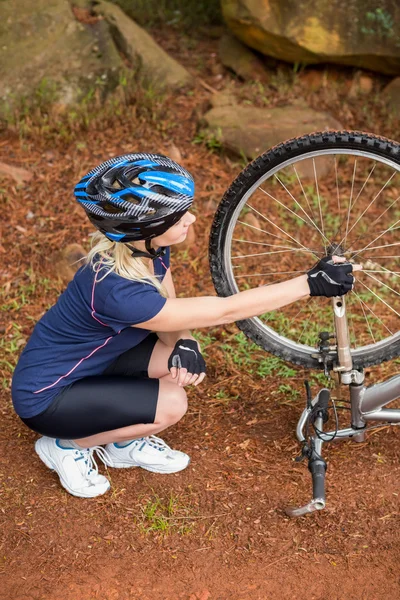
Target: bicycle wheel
x=335 y=191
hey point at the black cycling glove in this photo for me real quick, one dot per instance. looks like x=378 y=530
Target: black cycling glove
x=186 y=355
x=330 y=279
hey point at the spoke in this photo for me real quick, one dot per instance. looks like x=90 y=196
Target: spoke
x=296 y=315
x=370 y=310
x=306 y=323
x=387 y=271
x=373 y=223
x=304 y=194
x=312 y=222
x=382 y=256
x=319 y=202
x=350 y=201
x=276 y=246
x=382 y=283
x=270 y=273
x=379 y=298
x=358 y=195
x=337 y=186
x=282 y=204
x=352 y=327
x=378 y=247
x=370 y=204
x=377 y=238
x=275 y=225
x=267 y=253
x=366 y=318
x=263 y=231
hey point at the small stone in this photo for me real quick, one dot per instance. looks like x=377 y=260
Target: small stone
x=251 y=219
x=174 y=153
x=313 y=79
x=361 y=85
x=17 y=173
x=211 y=205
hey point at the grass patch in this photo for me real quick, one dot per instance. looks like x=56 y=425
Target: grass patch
x=167 y=514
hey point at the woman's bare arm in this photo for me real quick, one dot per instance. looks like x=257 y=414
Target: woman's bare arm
x=171 y=337
x=208 y=311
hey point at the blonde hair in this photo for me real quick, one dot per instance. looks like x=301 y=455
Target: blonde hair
x=115 y=257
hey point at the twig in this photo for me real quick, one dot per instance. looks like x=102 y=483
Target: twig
x=207 y=87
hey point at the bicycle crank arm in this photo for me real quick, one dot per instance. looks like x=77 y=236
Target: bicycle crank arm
x=315 y=504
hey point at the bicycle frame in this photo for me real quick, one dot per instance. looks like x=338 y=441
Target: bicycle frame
x=367 y=404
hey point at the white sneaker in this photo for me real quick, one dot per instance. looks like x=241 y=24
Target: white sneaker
x=77 y=469
x=150 y=453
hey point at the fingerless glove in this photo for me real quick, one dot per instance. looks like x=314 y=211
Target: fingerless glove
x=186 y=355
x=330 y=279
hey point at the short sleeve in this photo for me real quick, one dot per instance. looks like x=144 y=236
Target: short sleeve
x=131 y=302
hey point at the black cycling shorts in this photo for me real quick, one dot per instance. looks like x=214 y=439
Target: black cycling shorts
x=122 y=395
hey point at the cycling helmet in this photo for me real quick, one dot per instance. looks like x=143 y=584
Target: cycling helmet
x=135 y=196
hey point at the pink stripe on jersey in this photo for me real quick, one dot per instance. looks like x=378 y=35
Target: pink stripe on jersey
x=93 y=351
x=92 y=305
x=165 y=267
x=73 y=368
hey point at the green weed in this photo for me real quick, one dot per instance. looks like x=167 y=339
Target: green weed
x=204 y=339
x=211 y=140
x=172 y=514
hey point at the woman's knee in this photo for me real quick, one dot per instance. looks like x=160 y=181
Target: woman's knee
x=172 y=402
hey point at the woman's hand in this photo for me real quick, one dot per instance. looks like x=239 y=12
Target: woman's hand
x=186 y=363
x=331 y=276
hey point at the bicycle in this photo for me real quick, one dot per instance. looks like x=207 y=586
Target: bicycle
x=333 y=192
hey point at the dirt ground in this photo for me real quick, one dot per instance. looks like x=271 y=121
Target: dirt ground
x=216 y=531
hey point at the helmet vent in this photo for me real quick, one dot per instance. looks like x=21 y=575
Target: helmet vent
x=110 y=208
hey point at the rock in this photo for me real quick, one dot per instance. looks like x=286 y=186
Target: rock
x=68 y=261
x=251 y=219
x=303 y=31
x=174 y=153
x=46 y=54
x=313 y=79
x=211 y=206
x=237 y=57
x=249 y=131
x=17 y=173
x=153 y=65
x=361 y=85
x=392 y=94
x=223 y=98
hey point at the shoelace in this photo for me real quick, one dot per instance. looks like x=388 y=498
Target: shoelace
x=152 y=440
x=156 y=442
x=90 y=462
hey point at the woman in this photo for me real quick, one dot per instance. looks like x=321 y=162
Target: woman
x=108 y=363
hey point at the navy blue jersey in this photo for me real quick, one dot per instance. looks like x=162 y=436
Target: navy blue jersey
x=83 y=333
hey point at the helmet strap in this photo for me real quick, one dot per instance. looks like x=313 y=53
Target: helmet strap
x=151 y=252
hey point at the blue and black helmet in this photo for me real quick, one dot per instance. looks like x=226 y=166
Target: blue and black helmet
x=135 y=196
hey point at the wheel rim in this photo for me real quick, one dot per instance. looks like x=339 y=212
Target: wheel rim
x=365 y=189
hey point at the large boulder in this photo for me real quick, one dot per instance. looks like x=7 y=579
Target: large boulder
x=306 y=31
x=154 y=66
x=249 y=131
x=45 y=51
